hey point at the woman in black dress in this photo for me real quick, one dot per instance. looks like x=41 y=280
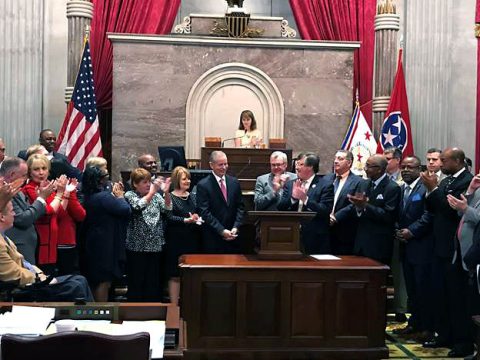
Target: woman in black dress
x=183 y=230
x=105 y=230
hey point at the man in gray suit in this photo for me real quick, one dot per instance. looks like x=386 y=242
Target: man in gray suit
x=269 y=187
x=23 y=232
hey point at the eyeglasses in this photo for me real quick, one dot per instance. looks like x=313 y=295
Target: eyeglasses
x=408 y=167
x=277 y=165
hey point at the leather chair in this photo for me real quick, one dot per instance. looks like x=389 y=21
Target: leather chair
x=76 y=345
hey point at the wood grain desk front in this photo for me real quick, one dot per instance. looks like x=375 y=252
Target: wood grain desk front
x=305 y=309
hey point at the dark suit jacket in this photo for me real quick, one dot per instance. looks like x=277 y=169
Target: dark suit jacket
x=342 y=234
x=445 y=221
x=23 y=232
x=472 y=257
x=60 y=166
x=416 y=218
x=219 y=214
x=315 y=233
x=376 y=224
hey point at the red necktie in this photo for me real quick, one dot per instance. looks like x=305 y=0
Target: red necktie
x=223 y=188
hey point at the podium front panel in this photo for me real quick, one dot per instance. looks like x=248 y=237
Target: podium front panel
x=244 y=163
x=250 y=308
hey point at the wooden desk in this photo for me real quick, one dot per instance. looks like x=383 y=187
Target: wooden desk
x=244 y=163
x=121 y=311
x=305 y=309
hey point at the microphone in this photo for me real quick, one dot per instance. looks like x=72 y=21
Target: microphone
x=243 y=168
x=233 y=138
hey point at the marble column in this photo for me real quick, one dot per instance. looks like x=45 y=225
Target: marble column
x=387 y=25
x=79 y=15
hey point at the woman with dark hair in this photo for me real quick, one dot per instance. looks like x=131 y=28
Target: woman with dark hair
x=247 y=135
x=105 y=230
x=183 y=230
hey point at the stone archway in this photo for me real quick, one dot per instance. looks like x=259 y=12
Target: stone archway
x=227 y=89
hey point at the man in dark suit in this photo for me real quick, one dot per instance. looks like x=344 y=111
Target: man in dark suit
x=269 y=187
x=377 y=210
x=23 y=232
x=59 y=162
x=416 y=245
x=343 y=224
x=445 y=224
x=220 y=204
x=463 y=297
x=310 y=193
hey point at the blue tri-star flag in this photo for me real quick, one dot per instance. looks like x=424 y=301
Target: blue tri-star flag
x=396 y=130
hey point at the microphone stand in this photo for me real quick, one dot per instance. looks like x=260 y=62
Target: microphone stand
x=229 y=139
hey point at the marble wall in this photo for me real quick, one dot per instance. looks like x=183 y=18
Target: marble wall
x=152 y=82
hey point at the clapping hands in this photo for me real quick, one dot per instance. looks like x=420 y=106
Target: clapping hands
x=8 y=191
x=298 y=191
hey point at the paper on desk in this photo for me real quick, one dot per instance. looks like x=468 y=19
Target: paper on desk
x=26 y=320
x=325 y=257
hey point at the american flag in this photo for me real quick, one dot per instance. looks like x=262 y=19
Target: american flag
x=79 y=137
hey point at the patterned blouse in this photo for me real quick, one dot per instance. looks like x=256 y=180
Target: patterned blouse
x=145 y=232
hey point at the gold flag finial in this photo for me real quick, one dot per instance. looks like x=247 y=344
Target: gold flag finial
x=386 y=7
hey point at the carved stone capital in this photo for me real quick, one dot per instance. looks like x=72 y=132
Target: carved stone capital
x=387 y=22
x=287 y=31
x=79 y=8
x=185 y=27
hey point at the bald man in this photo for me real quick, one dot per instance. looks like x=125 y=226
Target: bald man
x=377 y=209
x=147 y=162
x=445 y=224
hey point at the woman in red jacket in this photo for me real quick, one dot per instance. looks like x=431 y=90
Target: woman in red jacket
x=67 y=252
x=47 y=225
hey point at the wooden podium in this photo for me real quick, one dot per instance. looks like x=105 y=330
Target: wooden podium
x=280 y=233
x=244 y=163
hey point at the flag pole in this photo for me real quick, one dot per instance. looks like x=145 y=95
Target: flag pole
x=87 y=33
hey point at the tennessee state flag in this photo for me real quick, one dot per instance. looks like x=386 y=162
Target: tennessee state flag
x=396 y=130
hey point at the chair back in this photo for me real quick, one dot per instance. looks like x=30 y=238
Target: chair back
x=76 y=345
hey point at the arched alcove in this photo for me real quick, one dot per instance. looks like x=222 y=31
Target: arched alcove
x=220 y=94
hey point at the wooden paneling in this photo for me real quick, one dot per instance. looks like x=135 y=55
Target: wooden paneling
x=308 y=318
x=351 y=295
x=300 y=309
x=218 y=304
x=263 y=309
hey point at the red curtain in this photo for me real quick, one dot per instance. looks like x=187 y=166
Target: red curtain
x=343 y=20
x=123 y=16
x=477 y=130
